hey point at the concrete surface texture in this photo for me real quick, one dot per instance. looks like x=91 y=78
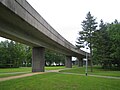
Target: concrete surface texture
x=20 y=22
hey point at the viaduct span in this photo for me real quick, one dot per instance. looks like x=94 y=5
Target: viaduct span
x=20 y=22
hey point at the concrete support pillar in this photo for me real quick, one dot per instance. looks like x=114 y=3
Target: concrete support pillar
x=80 y=62
x=68 y=62
x=38 y=59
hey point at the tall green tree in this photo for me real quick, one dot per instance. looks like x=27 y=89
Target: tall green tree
x=114 y=35
x=89 y=25
x=106 y=48
x=13 y=54
x=54 y=57
x=101 y=44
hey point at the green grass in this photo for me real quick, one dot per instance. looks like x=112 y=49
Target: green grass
x=54 y=67
x=10 y=70
x=8 y=75
x=96 y=71
x=6 y=72
x=27 y=69
x=56 y=81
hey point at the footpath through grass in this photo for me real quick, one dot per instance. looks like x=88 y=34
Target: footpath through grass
x=6 y=72
x=96 y=71
x=57 y=81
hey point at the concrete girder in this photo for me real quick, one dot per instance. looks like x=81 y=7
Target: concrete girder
x=20 y=22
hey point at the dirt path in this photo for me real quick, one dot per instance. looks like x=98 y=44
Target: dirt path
x=20 y=76
x=28 y=74
x=31 y=74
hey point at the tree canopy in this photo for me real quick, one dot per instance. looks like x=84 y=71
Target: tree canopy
x=14 y=54
x=103 y=41
x=86 y=35
x=106 y=50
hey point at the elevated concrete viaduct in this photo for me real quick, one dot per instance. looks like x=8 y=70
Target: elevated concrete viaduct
x=20 y=22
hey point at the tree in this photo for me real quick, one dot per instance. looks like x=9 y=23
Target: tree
x=101 y=45
x=114 y=35
x=27 y=55
x=106 y=48
x=89 y=26
x=54 y=57
x=3 y=54
x=13 y=54
x=49 y=57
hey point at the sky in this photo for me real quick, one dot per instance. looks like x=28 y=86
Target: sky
x=65 y=16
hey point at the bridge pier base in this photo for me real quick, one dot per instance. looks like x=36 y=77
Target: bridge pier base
x=38 y=59
x=68 y=62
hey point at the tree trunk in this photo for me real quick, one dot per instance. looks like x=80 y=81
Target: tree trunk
x=91 y=63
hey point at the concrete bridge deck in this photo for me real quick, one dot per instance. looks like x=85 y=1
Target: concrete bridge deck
x=19 y=21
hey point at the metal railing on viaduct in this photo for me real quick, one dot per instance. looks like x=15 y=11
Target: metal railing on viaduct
x=20 y=22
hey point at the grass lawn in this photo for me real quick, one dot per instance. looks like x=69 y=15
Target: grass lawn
x=96 y=71
x=54 y=67
x=16 y=71
x=10 y=70
x=27 y=69
x=57 y=81
x=8 y=75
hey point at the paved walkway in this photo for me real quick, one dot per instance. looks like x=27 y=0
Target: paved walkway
x=91 y=75
x=31 y=74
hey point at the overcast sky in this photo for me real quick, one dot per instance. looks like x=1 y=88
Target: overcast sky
x=65 y=16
